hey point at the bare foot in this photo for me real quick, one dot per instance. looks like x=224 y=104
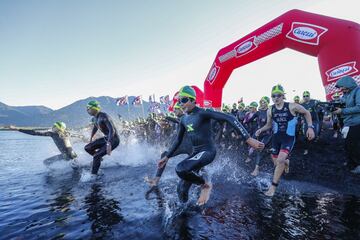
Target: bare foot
x=271 y=191
x=248 y=160
x=152 y=182
x=287 y=166
x=255 y=172
x=205 y=194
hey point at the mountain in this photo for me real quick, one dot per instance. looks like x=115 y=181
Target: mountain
x=74 y=115
x=22 y=115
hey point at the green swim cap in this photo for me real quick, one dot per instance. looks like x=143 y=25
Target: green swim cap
x=94 y=105
x=337 y=94
x=225 y=108
x=266 y=99
x=306 y=93
x=234 y=105
x=254 y=104
x=277 y=89
x=60 y=125
x=177 y=106
x=296 y=98
x=187 y=91
x=242 y=105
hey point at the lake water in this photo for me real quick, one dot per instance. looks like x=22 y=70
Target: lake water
x=56 y=202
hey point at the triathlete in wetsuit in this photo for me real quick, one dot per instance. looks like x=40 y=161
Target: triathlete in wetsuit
x=265 y=137
x=282 y=118
x=102 y=146
x=312 y=106
x=234 y=110
x=185 y=147
x=241 y=113
x=61 y=138
x=197 y=124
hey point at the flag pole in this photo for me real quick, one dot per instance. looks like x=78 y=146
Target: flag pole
x=127 y=102
x=142 y=106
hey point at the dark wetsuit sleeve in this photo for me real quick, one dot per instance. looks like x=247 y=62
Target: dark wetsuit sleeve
x=171 y=119
x=177 y=142
x=94 y=130
x=240 y=129
x=35 y=133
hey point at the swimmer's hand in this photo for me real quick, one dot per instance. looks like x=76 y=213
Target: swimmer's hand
x=153 y=182
x=162 y=162
x=13 y=128
x=258 y=132
x=255 y=143
x=108 y=148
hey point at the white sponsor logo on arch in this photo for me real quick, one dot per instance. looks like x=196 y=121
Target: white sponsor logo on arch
x=245 y=47
x=208 y=103
x=213 y=73
x=306 y=33
x=341 y=70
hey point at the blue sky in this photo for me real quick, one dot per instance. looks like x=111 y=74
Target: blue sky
x=55 y=52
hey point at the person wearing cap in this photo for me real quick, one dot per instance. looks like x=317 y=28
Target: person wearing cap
x=61 y=138
x=312 y=106
x=249 y=121
x=337 y=120
x=184 y=148
x=197 y=125
x=100 y=147
x=241 y=112
x=297 y=99
x=281 y=117
x=298 y=125
x=351 y=115
x=234 y=110
x=265 y=137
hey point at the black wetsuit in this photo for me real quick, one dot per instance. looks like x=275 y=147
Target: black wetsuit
x=197 y=125
x=312 y=107
x=241 y=115
x=234 y=112
x=62 y=142
x=97 y=148
x=185 y=147
x=265 y=137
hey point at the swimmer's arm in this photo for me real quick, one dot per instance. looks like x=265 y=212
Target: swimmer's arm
x=93 y=132
x=297 y=108
x=176 y=143
x=171 y=119
x=34 y=133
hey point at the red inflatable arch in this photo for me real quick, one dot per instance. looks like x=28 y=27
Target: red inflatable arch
x=335 y=42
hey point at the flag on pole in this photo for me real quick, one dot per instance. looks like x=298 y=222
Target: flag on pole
x=240 y=100
x=165 y=99
x=137 y=101
x=122 y=101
